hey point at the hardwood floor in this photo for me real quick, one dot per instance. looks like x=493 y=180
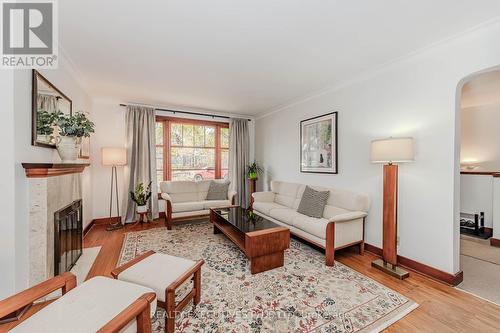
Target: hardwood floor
x=441 y=308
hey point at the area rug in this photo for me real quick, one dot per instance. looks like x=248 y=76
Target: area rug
x=479 y=249
x=303 y=296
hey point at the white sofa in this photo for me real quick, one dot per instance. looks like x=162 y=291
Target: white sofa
x=342 y=224
x=187 y=199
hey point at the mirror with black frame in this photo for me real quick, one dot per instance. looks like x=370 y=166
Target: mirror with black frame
x=47 y=100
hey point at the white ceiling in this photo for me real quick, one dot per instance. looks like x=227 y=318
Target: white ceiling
x=247 y=57
x=483 y=89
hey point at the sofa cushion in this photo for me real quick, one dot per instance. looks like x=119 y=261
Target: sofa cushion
x=285 y=192
x=187 y=206
x=180 y=191
x=313 y=202
x=265 y=207
x=285 y=215
x=312 y=225
x=207 y=204
x=86 y=308
x=217 y=191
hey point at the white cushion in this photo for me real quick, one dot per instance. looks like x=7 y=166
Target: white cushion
x=286 y=193
x=286 y=215
x=186 y=206
x=181 y=190
x=157 y=272
x=207 y=204
x=265 y=207
x=86 y=308
x=314 y=226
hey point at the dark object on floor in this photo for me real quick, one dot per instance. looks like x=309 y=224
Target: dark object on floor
x=473 y=225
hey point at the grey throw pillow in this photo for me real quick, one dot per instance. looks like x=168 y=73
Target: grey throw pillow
x=313 y=202
x=217 y=191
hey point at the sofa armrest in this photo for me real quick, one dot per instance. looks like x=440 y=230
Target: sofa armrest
x=267 y=196
x=231 y=196
x=348 y=216
x=65 y=281
x=166 y=196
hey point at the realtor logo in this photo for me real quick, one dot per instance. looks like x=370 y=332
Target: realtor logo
x=29 y=34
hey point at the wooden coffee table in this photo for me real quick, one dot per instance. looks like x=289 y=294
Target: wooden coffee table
x=262 y=241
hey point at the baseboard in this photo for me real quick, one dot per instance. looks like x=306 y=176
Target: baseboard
x=495 y=242
x=451 y=279
x=106 y=220
x=88 y=227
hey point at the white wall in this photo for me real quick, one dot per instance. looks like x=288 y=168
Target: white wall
x=481 y=137
x=7 y=186
x=109 y=118
x=64 y=79
x=476 y=195
x=416 y=96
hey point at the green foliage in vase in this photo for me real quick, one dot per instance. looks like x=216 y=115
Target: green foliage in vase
x=254 y=170
x=44 y=122
x=141 y=195
x=77 y=125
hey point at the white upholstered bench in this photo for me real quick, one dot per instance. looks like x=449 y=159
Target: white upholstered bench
x=164 y=274
x=100 y=304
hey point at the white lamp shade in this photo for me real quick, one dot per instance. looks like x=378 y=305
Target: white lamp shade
x=392 y=150
x=114 y=156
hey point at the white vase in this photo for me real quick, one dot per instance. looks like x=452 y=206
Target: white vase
x=68 y=147
x=142 y=209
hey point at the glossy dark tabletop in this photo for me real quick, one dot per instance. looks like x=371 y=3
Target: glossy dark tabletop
x=244 y=220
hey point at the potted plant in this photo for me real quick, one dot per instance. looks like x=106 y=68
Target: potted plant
x=44 y=125
x=72 y=128
x=141 y=196
x=253 y=171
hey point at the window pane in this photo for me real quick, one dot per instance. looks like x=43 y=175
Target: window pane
x=187 y=135
x=199 y=136
x=209 y=136
x=224 y=173
x=224 y=137
x=224 y=157
x=192 y=158
x=159 y=133
x=159 y=158
x=193 y=174
x=176 y=134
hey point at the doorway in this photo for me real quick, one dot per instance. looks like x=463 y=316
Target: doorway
x=479 y=107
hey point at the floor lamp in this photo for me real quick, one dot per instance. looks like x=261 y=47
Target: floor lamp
x=114 y=157
x=391 y=151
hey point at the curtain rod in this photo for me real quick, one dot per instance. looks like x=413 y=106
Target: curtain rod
x=190 y=113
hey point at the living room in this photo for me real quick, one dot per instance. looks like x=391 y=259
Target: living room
x=357 y=105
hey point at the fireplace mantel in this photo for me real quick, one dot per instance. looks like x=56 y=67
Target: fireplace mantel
x=43 y=170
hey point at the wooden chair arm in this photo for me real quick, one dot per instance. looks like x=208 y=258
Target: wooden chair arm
x=139 y=310
x=180 y=280
x=115 y=272
x=65 y=281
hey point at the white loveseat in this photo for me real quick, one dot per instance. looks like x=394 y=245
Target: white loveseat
x=187 y=199
x=342 y=224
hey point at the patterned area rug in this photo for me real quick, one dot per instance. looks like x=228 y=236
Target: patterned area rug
x=303 y=296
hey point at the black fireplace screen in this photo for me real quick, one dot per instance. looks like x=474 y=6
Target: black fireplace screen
x=68 y=239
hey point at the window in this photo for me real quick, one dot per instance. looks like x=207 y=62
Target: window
x=191 y=149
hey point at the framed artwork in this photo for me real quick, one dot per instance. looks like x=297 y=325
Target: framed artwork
x=318 y=144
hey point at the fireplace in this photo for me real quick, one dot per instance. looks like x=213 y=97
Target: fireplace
x=68 y=236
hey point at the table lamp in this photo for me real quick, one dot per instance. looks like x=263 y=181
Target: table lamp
x=391 y=151
x=114 y=156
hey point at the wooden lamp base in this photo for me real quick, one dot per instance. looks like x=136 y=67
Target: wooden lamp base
x=393 y=270
x=389 y=261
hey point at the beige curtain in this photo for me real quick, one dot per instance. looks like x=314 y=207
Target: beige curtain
x=239 y=152
x=141 y=150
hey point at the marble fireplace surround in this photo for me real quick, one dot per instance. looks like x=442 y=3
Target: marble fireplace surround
x=50 y=188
